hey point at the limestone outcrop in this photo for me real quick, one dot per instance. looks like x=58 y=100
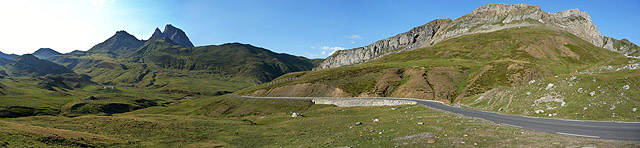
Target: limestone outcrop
x=483 y=19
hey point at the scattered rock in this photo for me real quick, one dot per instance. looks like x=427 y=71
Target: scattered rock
x=528 y=93
x=625 y=87
x=421 y=135
x=431 y=141
x=539 y=111
x=573 y=78
x=420 y=123
x=358 y=123
x=592 y=93
x=549 y=86
x=585 y=108
x=296 y=115
x=563 y=103
x=580 y=90
x=376 y=120
x=549 y=98
x=393 y=108
x=634 y=109
x=532 y=81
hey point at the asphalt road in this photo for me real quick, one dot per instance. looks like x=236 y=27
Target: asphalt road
x=592 y=129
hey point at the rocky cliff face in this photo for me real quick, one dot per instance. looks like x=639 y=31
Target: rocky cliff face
x=415 y=38
x=174 y=34
x=484 y=19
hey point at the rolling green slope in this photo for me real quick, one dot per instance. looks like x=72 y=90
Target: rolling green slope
x=459 y=69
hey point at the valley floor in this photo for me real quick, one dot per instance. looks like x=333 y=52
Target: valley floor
x=240 y=122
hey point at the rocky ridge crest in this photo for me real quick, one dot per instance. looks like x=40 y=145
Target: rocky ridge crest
x=483 y=19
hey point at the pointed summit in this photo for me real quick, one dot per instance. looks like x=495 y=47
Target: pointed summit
x=118 y=43
x=176 y=35
x=157 y=34
x=44 y=53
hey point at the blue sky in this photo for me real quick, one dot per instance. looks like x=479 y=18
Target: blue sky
x=300 y=27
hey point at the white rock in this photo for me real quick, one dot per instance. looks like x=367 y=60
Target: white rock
x=625 y=87
x=420 y=123
x=296 y=114
x=592 y=93
x=532 y=81
x=376 y=120
x=549 y=86
x=585 y=108
x=634 y=109
x=573 y=78
x=580 y=90
x=563 y=103
x=539 y=111
x=528 y=93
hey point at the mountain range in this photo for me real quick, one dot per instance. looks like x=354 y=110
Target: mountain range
x=483 y=19
x=123 y=59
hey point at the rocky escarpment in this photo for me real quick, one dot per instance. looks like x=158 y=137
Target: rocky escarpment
x=415 y=38
x=484 y=19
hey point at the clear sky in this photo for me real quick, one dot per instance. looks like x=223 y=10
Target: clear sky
x=307 y=28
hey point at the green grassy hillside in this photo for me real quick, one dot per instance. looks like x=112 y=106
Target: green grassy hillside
x=211 y=122
x=462 y=68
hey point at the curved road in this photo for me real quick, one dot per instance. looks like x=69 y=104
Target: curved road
x=592 y=129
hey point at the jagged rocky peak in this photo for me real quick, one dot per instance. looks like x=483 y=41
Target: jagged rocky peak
x=483 y=19
x=157 y=34
x=174 y=34
x=46 y=53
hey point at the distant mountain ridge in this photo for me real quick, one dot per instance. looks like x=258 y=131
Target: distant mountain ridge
x=29 y=65
x=8 y=56
x=483 y=19
x=46 y=53
x=124 y=59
